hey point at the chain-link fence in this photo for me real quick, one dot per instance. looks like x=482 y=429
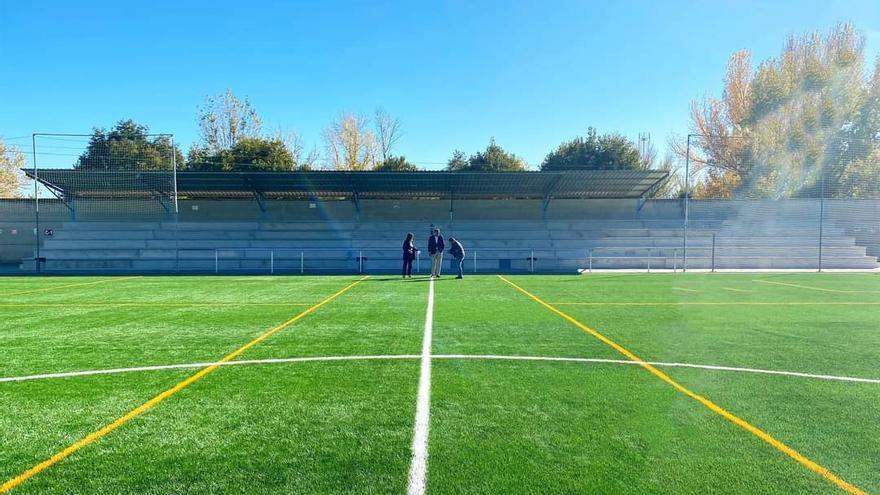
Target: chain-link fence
x=781 y=202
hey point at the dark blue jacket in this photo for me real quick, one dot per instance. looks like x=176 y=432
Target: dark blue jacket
x=436 y=246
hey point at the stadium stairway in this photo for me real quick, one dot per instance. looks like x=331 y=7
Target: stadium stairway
x=756 y=238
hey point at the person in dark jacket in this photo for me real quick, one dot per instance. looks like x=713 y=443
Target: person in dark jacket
x=435 y=249
x=456 y=250
x=409 y=254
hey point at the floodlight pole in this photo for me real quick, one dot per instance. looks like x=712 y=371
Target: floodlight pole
x=687 y=182
x=36 y=206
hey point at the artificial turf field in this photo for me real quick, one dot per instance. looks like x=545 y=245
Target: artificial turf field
x=497 y=425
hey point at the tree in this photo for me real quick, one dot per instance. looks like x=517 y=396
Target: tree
x=673 y=186
x=780 y=127
x=11 y=179
x=388 y=132
x=396 y=164
x=594 y=152
x=224 y=120
x=458 y=162
x=861 y=178
x=250 y=154
x=350 y=144
x=493 y=159
x=129 y=146
x=295 y=146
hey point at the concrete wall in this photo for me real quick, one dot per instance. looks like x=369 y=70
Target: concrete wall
x=17 y=226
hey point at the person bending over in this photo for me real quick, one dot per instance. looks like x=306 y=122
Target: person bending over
x=457 y=252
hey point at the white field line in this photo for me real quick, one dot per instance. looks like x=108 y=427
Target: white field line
x=389 y=357
x=418 y=470
x=114 y=371
x=736 y=290
x=686 y=290
x=660 y=365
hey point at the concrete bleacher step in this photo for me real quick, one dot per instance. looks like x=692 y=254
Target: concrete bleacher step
x=754 y=239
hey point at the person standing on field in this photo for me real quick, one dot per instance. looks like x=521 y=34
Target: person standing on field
x=457 y=252
x=435 y=249
x=409 y=254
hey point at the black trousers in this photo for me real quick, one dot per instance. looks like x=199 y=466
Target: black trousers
x=407 y=265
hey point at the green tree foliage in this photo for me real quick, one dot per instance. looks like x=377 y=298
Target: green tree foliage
x=458 y=162
x=594 y=152
x=128 y=146
x=778 y=128
x=225 y=119
x=11 y=178
x=861 y=178
x=492 y=159
x=231 y=140
x=396 y=164
x=249 y=154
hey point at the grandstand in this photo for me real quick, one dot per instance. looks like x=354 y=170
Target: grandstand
x=354 y=222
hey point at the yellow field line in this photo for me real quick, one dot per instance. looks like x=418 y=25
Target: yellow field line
x=146 y=406
x=57 y=287
x=720 y=303
x=822 y=289
x=686 y=290
x=754 y=430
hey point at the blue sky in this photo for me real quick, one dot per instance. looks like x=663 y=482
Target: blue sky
x=530 y=74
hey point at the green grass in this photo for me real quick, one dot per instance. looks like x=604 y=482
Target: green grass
x=496 y=426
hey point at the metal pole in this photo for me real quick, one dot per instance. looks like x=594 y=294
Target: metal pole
x=674 y=260
x=302 y=262
x=475 y=261
x=713 y=252
x=590 y=254
x=821 y=214
x=174 y=174
x=532 y=261
x=687 y=190
x=650 y=252
x=216 y=261
x=36 y=206
x=360 y=262
x=418 y=262
x=272 y=262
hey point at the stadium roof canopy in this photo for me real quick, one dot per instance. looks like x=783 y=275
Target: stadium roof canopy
x=376 y=185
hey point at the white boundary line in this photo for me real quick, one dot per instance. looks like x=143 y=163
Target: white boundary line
x=113 y=371
x=732 y=289
x=418 y=470
x=662 y=365
x=710 y=367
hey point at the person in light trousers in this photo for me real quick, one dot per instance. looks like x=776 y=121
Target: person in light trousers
x=435 y=249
